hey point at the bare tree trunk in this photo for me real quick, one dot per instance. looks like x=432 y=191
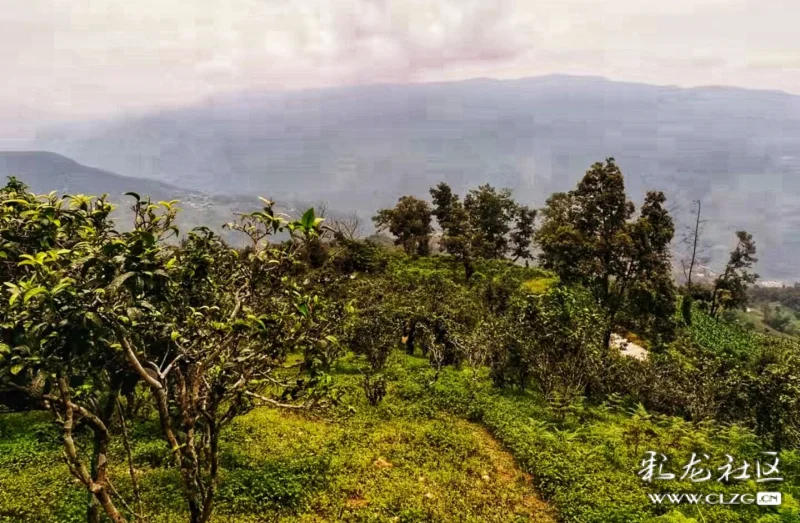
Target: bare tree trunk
x=469 y=268
x=409 y=333
x=93 y=508
x=100 y=444
x=694 y=248
x=607 y=340
x=137 y=497
x=715 y=305
x=97 y=485
x=208 y=502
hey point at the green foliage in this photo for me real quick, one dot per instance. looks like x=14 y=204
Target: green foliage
x=490 y=213
x=92 y=311
x=686 y=309
x=787 y=296
x=588 y=237
x=540 y=285
x=584 y=459
x=410 y=222
x=373 y=333
x=152 y=352
x=730 y=288
x=551 y=339
x=278 y=486
x=359 y=256
x=486 y=225
x=377 y=464
x=779 y=319
x=722 y=337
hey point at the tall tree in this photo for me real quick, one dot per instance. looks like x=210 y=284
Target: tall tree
x=587 y=237
x=410 y=222
x=651 y=296
x=522 y=235
x=490 y=215
x=730 y=288
x=695 y=254
x=487 y=224
x=696 y=248
x=454 y=221
x=53 y=347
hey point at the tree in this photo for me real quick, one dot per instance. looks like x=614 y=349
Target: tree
x=588 y=237
x=454 y=221
x=695 y=254
x=778 y=319
x=410 y=222
x=373 y=332
x=487 y=224
x=551 y=338
x=53 y=347
x=205 y=328
x=490 y=213
x=216 y=343
x=730 y=288
x=692 y=239
x=522 y=235
x=346 y=228
x=651 y=295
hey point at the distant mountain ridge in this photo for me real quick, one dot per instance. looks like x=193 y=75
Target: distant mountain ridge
x=45 y=172
x=362 y=147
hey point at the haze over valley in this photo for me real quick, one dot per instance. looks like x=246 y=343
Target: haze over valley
x=359 y=148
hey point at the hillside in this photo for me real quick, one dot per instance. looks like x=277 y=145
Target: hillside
x=325 y=378
x=359 y=147
x=396 y=460
x=45 y=171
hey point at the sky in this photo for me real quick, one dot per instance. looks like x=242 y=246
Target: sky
x=96 y=58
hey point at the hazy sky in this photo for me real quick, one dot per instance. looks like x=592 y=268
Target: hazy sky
x=93 y=57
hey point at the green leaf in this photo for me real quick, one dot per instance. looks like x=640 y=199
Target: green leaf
x=308 y=220
x=33 y=292
x=303 y=308
x=134 y=195
x=94 y=318
x=15 y=200
x=64 y=284
x=118 y=281
x=17 y=368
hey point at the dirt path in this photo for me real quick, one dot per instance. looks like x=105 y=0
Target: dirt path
x=628 y=348
x=509 y=477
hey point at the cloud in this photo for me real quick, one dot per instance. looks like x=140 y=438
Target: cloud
x=92 y=57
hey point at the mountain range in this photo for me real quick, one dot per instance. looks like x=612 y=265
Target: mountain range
x=360 y=148
x=44 y=172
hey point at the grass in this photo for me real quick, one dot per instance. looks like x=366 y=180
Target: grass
x=450 y=450
x=394 y=462
x=540 y=285
x=755 y=320
x=584 y=459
